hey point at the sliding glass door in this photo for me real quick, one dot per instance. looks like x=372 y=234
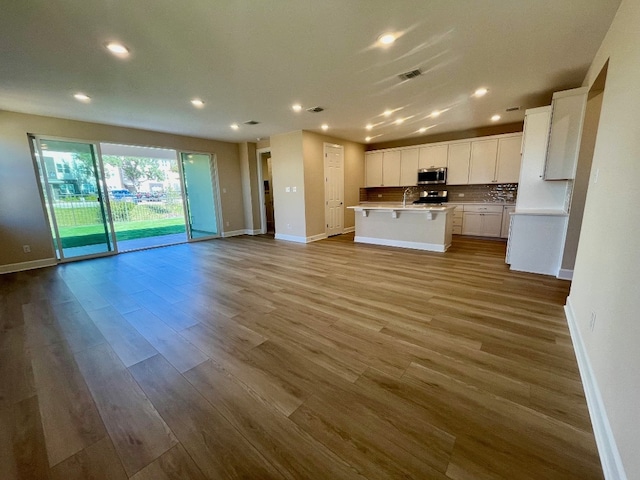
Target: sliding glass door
x=73 y=188
x=201 y=194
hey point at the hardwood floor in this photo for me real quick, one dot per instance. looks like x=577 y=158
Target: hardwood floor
x=253 y=358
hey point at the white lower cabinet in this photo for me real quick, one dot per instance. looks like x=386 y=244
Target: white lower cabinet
x=506 y=220
x=457 y=220
x=482 y=220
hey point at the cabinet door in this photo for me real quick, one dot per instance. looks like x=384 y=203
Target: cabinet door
x=433 y=156
x=391 y=168
x=508 y=166
x=472 y=223
x=567 y=114
x=458 y=160
x=506 y=220
x=373 y=169
x=483 y=161
x=409 y=167
x=491 y=224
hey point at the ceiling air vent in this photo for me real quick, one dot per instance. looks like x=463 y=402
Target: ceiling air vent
x=252 y=122
x=409 y=75
x=315 y=109
x=512 y=109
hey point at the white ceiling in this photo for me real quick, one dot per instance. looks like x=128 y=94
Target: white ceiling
x=253 y=59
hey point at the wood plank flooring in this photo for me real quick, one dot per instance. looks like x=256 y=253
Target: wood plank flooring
x=252 y=358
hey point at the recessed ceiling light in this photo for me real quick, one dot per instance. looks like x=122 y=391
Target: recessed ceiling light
x=495 y=118
x=481 y=92
x=235 y=126
x=117 y=49
x=435 y=113
x=296 y=108
x=82 y=97
x=387 y=38
x=422 y=130
x=367 y=139
x=399 y=121
x=387 y=113
x=325 y=126
x=196 y=102
x=369 y=126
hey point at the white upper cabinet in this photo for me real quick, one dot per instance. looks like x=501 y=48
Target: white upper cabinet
x=409 y=167
x=433 y=156
x=373 y=169
x=567 y=115
x=458 y=170
x=483 y=161
x=391 y=168
x=509 y=159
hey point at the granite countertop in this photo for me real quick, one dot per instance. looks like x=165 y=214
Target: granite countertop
x=399 y=206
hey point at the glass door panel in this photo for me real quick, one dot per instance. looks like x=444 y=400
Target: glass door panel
x=200 y=194
x=72 y=184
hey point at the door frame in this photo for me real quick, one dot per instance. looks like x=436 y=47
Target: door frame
x=326 y=200
x=102 y=186
x=213 y=172
x=263 y=208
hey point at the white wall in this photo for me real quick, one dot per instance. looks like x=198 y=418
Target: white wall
x=607 y=271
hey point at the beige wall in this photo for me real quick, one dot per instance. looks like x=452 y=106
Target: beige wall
x=314 y=179
x=287 y=164
x=607 y=274
x=22 y=218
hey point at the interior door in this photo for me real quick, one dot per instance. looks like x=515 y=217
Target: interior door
x=201 y=195
x=73 y=186
x=334 y=188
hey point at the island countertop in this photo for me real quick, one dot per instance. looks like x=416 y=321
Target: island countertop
x=400 y=206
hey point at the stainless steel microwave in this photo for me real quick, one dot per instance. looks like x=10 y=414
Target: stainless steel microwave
x=428 y=176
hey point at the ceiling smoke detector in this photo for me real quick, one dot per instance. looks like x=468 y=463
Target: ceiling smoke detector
x=409 y=75
x=252 y=122
x=315 y=109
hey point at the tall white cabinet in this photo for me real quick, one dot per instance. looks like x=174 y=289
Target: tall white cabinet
x=538 y=225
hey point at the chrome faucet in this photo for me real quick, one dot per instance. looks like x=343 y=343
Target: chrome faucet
x=404 y=196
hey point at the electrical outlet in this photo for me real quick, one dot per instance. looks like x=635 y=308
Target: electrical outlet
x=288 y=226
x=227 y=224
x=379 y=195
x=592 y=323
x=461 y=194
x=224 y=190
x=26 y=248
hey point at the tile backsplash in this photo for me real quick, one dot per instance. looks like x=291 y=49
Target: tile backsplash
x=501 y=192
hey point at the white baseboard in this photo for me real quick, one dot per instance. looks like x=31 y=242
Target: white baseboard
x=290 y=238
x=253 y=232
x=295 y=238
x=609 y=455
x=565 y=274
x=431 y=247
x=19 y=267
x=315 y=238
x=349 y=229
x=233 y=233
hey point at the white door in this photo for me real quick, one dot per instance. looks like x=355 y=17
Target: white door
x=334 y=188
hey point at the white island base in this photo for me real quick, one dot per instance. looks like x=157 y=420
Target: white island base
x=413 y=226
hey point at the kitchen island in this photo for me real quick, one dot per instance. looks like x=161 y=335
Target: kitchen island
x=421 y=227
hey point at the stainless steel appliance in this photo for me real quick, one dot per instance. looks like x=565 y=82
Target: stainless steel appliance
x=427 y=176
x=433 y=196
